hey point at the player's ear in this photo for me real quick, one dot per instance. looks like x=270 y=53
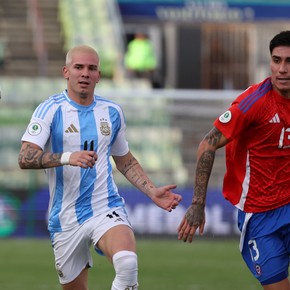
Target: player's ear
x=99 y=77
x=65 y=72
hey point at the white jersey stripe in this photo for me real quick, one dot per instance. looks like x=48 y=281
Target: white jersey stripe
x=245 y=185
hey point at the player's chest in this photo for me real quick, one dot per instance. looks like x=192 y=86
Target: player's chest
x=274 y=125
x=76 y=128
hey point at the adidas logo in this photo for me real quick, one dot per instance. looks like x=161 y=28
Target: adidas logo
x=275 y=119
x=71 y=129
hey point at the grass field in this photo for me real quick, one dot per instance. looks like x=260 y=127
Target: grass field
x=27 y=264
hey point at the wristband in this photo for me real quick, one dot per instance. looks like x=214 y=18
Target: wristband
x=64 y=160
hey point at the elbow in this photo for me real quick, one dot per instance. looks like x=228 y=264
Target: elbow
x=205 y=146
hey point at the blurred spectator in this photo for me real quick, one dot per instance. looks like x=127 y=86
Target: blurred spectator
x=141 y=60
x=2 y=53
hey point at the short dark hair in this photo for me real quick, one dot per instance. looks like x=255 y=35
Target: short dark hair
x=281 y=39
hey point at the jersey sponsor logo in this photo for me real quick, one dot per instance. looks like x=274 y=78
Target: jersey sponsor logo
x=34 y=129
x=105 y=128
x=225 y=117
x=275 y=119
x=71 y=129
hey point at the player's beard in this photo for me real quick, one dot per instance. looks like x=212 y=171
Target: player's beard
x=84 y=95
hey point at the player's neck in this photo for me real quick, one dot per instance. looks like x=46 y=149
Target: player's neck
x=84 y=99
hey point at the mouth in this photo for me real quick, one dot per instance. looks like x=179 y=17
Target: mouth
x=84 y=83
x=283 y=79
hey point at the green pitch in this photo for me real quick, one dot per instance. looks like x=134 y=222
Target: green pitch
x=27 y=264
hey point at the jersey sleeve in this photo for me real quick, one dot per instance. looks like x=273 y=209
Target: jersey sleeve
x=235 y=120
x=245 y=110
x=231 y=122
x=37 y=131
x=120 y=145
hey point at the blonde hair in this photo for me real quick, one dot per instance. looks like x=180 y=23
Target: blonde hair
x=80 y=48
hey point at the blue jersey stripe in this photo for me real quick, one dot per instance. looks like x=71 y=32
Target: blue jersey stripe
x=116 y=124
x=247 y=103
x=57 y=146
x=88 y=131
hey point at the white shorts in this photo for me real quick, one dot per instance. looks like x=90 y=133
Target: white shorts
x=72 y=248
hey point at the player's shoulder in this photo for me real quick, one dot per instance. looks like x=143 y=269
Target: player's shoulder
x=106 y=102
x=58 y=98
x=54 y=99
x=49 y=105
x=253 y=95
x=261 y=87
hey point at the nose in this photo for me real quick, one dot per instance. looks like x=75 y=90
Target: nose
x=283 y=68
x=85 y=72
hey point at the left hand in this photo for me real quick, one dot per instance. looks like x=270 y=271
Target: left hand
x=194 y=219
x=165 y=198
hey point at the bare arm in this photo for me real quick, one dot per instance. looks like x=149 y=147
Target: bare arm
x=195 y=216
x=205 y=159
x=132 y=170
x=32 y=156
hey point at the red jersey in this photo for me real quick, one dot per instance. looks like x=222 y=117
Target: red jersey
x=257 y=124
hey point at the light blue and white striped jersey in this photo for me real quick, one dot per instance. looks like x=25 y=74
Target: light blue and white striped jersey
x=60 y=125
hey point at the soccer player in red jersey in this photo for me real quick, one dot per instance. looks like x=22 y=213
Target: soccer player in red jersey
x=256 y=132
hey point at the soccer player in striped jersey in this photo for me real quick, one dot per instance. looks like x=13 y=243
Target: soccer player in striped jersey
x=71 y=136
x=256 y=132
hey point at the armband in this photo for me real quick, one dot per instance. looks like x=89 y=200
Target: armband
x=64 y=160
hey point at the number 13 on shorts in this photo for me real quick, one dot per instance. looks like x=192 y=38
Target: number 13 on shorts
x=254 y=250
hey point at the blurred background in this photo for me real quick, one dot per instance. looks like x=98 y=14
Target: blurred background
x=204 y=54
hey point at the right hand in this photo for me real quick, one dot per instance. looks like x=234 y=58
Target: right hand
x=83 y=159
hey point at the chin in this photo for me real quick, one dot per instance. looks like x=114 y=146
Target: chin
x=84 y=95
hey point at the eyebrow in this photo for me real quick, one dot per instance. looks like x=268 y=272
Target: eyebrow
x=278 y=56
x=81 y=64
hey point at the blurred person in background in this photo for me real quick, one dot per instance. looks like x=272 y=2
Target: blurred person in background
x=256 y=132
x=3 y=54
x=72 y=136
x=141 y=60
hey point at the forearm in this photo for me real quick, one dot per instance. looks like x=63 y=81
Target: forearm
x=135 y=174
x=203 y=171
x=34 y=158
x=205 y=160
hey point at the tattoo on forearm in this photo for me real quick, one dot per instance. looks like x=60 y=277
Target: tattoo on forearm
x=132 y=162
x=204 y=166
x=203 y=170
x=134 y=172
x=40 y=160
x=31 y=158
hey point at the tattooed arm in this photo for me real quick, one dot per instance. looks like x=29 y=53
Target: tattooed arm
x=132 y=170
x=195 y=216
x=32 y=156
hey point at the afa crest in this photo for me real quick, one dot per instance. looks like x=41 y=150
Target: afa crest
x=105 y=128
